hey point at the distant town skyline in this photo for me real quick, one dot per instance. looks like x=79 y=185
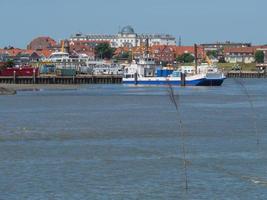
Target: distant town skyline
x=195 y=21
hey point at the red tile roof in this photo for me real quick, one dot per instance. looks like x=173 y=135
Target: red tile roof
x=239 y=50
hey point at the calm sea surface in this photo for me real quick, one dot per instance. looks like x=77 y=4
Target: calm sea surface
x=125 y=142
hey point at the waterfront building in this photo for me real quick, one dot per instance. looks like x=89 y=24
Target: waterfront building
x=164 y=53
x=126 y=37
x=239 y=55
x=40 y=43
x=180 y=50
x=81 y=47
x=3 y=56
x=24 y=56
x=220 y=46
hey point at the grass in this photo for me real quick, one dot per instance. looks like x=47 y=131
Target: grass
x=244 y=66
x=229 y=66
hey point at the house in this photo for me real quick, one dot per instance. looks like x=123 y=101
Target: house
x=239 y=54
x=219 y=47
x=3 y=55
x=42 y=43
x=163 y=53
x=180 y=50
x=83 y=47
x=27 y=56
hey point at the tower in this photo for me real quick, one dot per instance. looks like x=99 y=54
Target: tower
x=180 y=41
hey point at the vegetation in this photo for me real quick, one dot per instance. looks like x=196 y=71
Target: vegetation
x=213 y=54
x=243 y=66
x=229 y=66
x=222 y=60
x=124 y=56
x=10 y=63
x=104 y=51
x=259 y=57
x=9 y=47
x=185 y=58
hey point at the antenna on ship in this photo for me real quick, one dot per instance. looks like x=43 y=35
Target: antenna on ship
x=195 y=51
x=146 y=46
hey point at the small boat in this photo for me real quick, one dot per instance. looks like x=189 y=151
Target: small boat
x=144 y=72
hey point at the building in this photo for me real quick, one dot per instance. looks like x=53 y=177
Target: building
x=126 y=37
x=23 y=56
x=239 y=55
x=180 y=50
x=164 y=53
x=42 y=43
x=3 y=56
x=82 y=47
x=26 y=57
x=220 y=46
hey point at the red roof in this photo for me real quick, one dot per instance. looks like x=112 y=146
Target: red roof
x=239 y=50
x=44 y=52
x=16 y=51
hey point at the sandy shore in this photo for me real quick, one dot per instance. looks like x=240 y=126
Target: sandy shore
x=21 y=87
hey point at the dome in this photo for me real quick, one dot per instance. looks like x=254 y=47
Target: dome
x=127 y=30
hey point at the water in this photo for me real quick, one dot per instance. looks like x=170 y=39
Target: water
x=123 y=142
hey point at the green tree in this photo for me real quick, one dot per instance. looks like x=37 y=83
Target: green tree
x=259 y=57
x=104 y=51
x=212 y=53
x=185 y=58
x=125 y=56
x=222 y=60
x=10 y=63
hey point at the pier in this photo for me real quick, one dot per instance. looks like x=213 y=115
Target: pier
x=246 y=74
x=99 y=79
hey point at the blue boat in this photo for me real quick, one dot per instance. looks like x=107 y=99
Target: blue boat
x=144 y=73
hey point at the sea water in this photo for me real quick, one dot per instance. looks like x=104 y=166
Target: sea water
x=126 y=142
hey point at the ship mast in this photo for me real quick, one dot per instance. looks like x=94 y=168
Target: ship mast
x=195 y=51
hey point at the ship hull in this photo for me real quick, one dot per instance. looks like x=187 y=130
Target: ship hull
x=173 y=81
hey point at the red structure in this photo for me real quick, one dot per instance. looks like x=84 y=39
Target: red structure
x=22 y=71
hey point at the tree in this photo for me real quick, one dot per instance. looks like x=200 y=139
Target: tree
x=104 y=51
x=212 y=53
x=185 y=58
x=125 y=56
x=259 y=57
x=222 y=60
x=10 y=63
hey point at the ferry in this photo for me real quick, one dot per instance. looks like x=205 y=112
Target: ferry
x=144 y=72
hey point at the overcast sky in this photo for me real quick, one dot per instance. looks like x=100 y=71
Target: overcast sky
x=196 y=21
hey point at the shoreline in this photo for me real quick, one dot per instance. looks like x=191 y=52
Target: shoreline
x=22 y=87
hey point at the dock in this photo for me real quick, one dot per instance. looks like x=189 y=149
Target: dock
x=88 y=79
x=246 y=74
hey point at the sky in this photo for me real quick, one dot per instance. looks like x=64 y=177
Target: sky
x=196 y=21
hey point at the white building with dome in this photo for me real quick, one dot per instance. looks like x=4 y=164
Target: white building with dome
x=126 y=37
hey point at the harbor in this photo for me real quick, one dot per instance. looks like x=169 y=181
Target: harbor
x=101 y=79
x=246 y=74
x=91 y=79
x=134 y=100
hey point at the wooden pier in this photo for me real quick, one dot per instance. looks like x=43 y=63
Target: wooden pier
x=246 y=74
x=99 y=79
